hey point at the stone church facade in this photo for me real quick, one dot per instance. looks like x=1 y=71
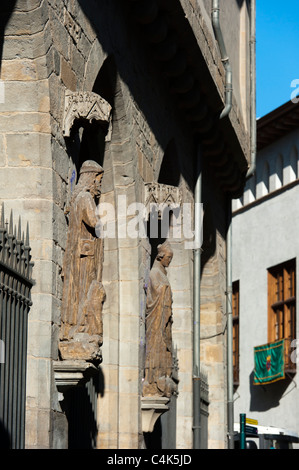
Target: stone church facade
x=137 y=87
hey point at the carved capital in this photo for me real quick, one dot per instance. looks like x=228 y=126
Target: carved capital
x=85 y=105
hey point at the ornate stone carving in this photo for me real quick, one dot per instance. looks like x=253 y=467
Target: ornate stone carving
x=88 y=106
x=159 y=379
x=156 y=193
x=83 y=292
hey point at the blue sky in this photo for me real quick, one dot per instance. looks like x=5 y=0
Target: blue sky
x=277 y=53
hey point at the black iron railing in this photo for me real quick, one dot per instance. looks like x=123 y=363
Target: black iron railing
x=15 y=300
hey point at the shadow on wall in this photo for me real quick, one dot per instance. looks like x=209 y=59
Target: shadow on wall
x=208 y=247
x=105 y=22
x=4 y=437
x=265 y=397
x=6 y=9
x=80 y=408
x=115 y=16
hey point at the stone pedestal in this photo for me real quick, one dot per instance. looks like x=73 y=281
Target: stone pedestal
x=72 y=373
x=152 y=408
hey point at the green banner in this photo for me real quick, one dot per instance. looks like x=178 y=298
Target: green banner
x=269 y=363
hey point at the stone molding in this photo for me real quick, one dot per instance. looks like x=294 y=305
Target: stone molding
x=152 y=408
x=72 y=373
x=88 y=106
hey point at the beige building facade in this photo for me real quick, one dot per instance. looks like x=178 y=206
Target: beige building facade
x=138 y=87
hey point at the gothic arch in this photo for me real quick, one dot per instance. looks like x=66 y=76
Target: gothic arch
x=96 y=59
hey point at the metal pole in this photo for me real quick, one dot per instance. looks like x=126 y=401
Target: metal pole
x=242 y=431
x=252 y=167
x=196 y=312
x=224 y=58
x=229 y=313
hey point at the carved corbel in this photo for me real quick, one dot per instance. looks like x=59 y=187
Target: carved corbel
x=152 y=408
x=85 y=105
x=70 y=374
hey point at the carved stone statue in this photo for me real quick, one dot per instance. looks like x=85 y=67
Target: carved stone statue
x=158 y=380
x=81 y=333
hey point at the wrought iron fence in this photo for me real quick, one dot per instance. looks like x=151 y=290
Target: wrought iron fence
x=15 y=300
x=204 y=409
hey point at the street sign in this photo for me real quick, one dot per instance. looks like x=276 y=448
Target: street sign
x=251 y=421
x=250 y=430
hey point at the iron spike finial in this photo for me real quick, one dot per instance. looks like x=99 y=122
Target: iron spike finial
x=19 y=229
x=11 y=223
x=27 y=235
x=2 y=215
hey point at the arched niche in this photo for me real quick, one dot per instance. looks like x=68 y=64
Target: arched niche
x=88 y=127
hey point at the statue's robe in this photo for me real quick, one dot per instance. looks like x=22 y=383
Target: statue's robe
x=158 y=324
x=83 y=292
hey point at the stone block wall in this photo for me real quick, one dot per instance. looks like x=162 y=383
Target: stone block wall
x=27 y=185
x=213 y=331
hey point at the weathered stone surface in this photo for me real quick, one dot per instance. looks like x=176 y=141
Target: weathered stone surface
x=158 y=379
x=68 y=76
x=83 y=293
x=25 y=122
x=18 y=69
x=27 y=22
x=28 y=149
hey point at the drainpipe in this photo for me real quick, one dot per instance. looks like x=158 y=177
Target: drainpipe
x=196 y=309
x=229 y=313
x=252 y=167
x=224 y=58
x=225 y=112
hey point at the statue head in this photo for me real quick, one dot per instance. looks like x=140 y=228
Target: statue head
x=92 y=173
x=90 y=166
x=165 y=254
